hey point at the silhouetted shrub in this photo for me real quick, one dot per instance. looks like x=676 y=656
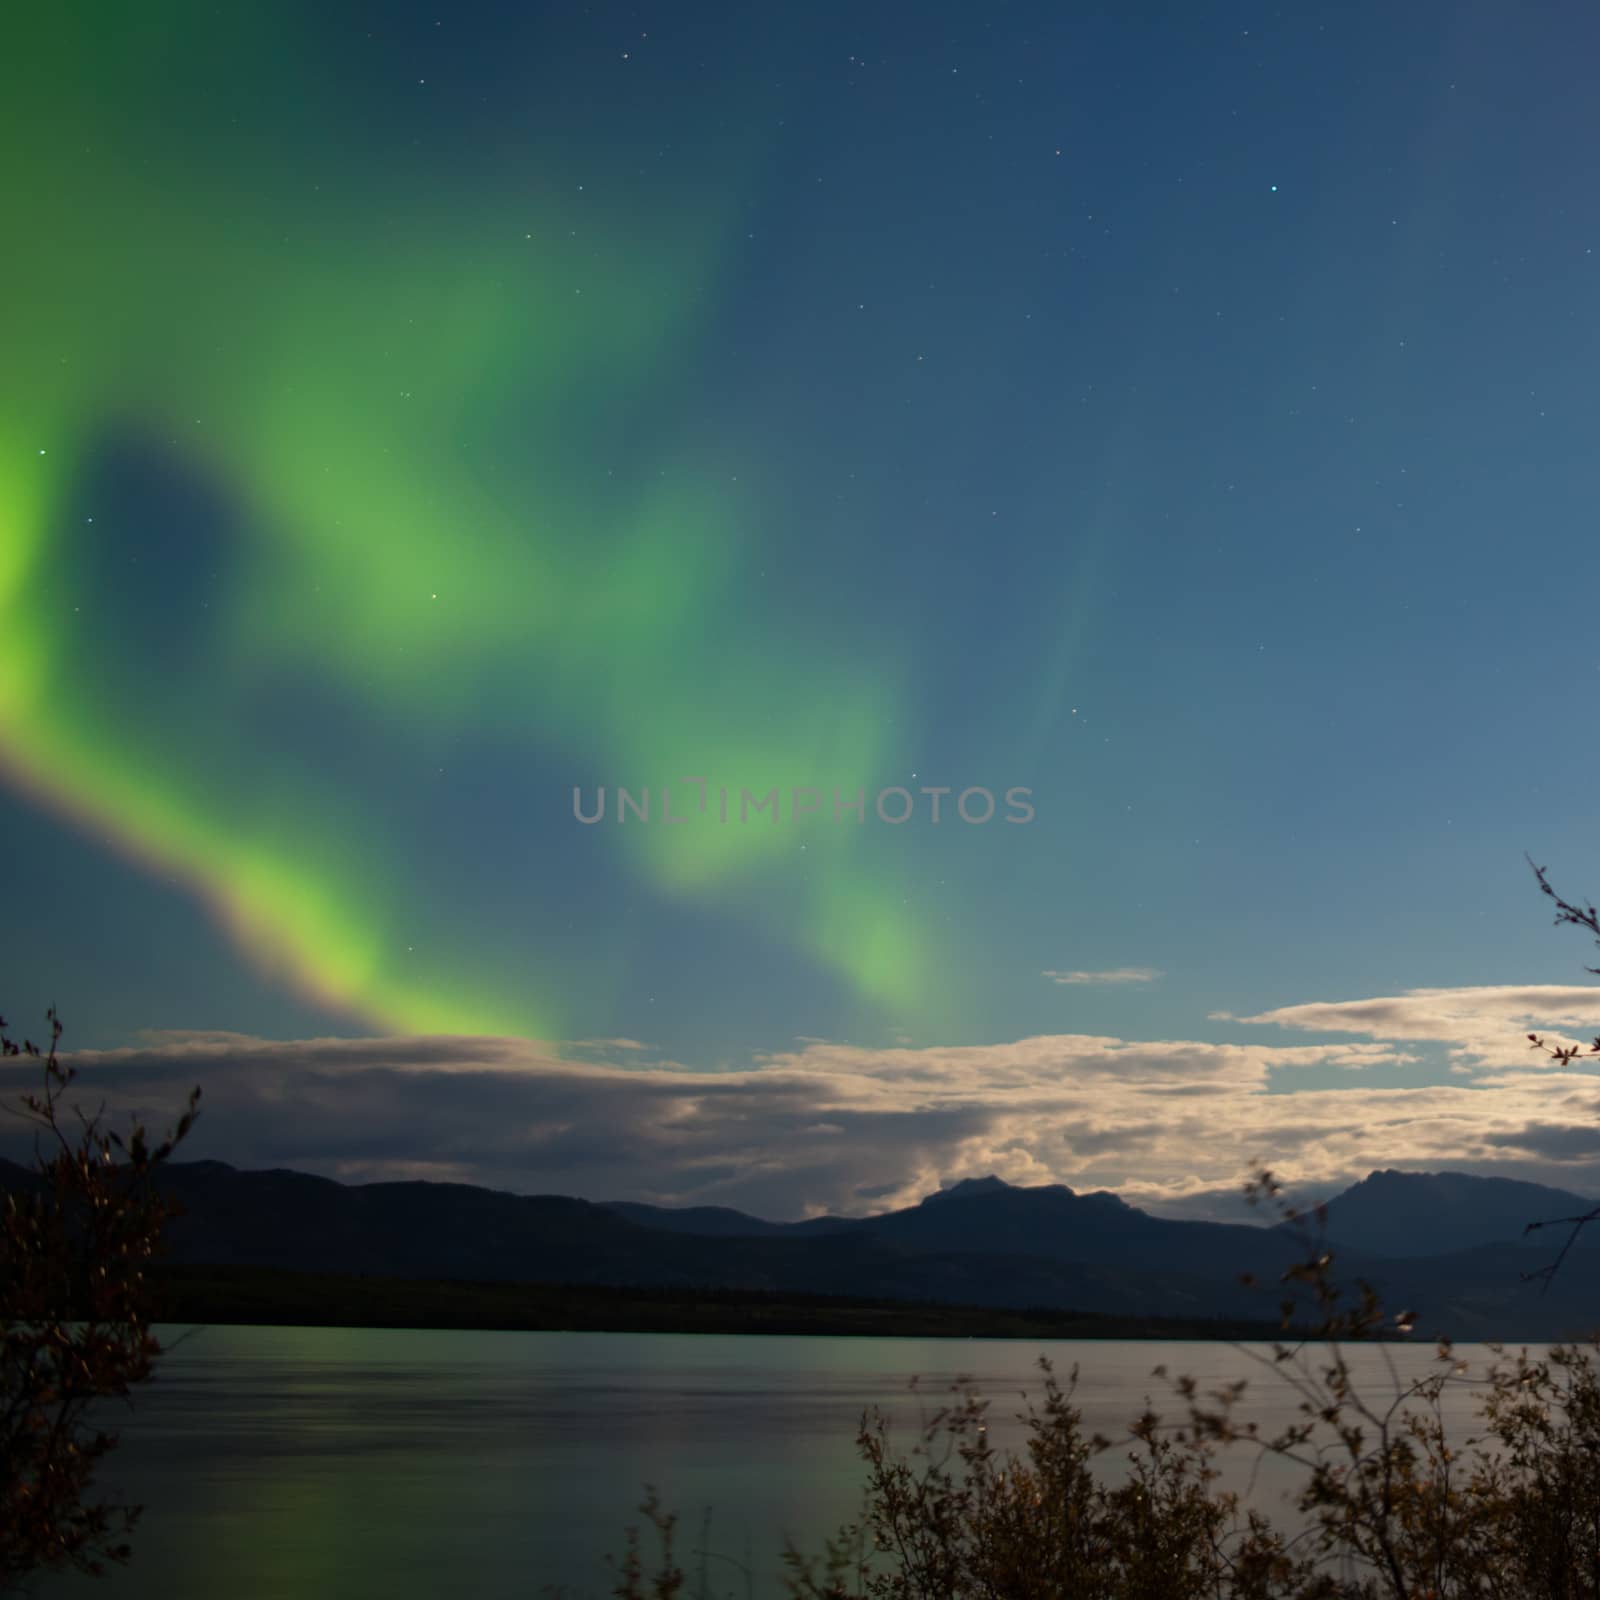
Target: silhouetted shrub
x=1393 y=1507
x=76 y=1234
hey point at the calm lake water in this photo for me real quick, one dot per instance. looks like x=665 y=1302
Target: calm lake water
x=285 y=1463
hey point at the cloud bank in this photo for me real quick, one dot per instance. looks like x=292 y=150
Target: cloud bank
x=1172 y=1124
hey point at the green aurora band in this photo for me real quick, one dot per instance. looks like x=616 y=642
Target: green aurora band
x=383 y=390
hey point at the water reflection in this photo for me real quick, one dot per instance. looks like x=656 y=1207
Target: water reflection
x=286 y=1462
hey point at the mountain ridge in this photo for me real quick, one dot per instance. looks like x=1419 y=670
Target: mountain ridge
x=1403 y=1215
x=983 y=1243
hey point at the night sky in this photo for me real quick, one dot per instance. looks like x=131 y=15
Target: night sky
x=1186 y=414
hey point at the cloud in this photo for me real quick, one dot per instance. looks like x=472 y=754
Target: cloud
x=1485 y=1026
x=1559 y=1141
x=1113 y=975
x=1173 y=1124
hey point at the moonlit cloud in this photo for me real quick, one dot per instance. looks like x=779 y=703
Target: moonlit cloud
x=1114 y=975
x=1484 y=1027
x=1172 y=1124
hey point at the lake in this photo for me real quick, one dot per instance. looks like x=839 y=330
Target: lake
x=370 y=1464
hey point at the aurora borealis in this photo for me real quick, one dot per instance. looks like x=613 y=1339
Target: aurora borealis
x=366 y=414
x=408 y=415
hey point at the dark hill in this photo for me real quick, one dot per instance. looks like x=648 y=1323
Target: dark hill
x=721 y=1222
x=985 y=1244
x=1404 y=1215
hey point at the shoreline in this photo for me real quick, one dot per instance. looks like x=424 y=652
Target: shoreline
x=280 y=1297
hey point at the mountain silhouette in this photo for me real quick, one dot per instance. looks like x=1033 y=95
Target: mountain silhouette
x=980 y=1243
x=1400 y=1215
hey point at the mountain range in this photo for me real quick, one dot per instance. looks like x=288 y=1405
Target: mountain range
x=1448 y=1246
x=1409 y=1214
